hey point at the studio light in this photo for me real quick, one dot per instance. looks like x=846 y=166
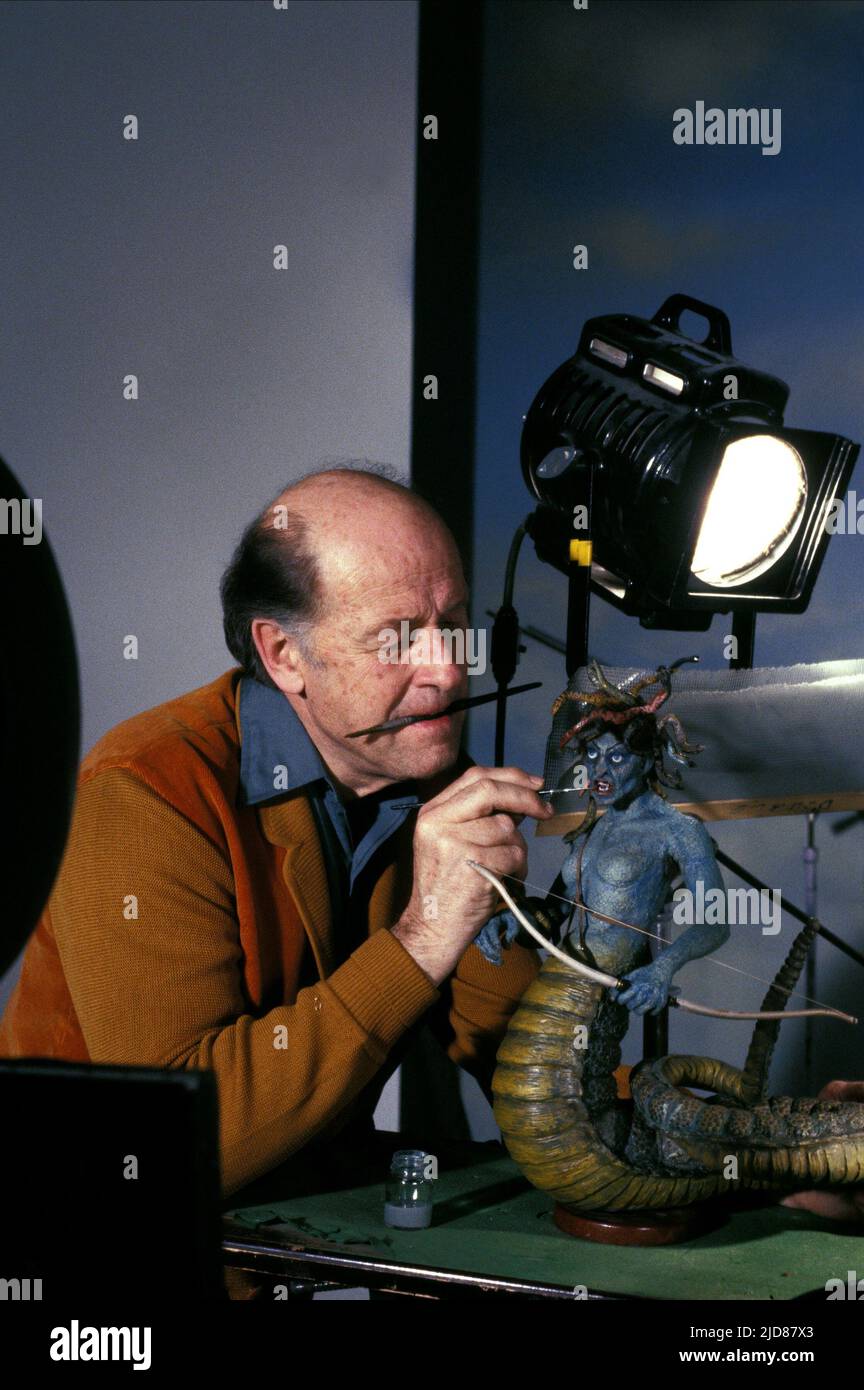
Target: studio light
x=671 y=457
x=739 y=543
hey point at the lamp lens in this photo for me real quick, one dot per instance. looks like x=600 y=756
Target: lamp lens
x=756 y=506
x=556 y=462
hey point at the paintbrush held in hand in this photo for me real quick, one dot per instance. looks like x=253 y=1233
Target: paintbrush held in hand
x=450 y=709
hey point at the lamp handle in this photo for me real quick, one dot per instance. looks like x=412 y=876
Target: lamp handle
x=720 y=333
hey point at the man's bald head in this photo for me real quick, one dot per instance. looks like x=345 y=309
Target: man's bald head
x=309 y=545
x=354 y=517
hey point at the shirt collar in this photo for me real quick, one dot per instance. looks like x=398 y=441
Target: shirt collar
x=272 y=737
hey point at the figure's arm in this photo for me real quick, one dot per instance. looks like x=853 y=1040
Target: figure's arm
x=493 y=974
x=502 y=929
x=694 y=853
x=166 y=989
x=690 y=846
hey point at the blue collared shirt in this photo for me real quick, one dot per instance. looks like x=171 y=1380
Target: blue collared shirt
x=277 y=757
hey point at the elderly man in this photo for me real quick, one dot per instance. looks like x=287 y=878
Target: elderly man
x=247 y=889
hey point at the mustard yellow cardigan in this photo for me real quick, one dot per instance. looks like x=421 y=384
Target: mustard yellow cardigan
x=186 y=931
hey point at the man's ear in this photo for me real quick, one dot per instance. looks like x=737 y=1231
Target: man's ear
x=280 y=655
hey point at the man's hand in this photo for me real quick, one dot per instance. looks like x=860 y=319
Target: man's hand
x=836 y=1203
x=474 y=818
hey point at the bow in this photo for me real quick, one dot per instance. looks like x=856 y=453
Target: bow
x=612 y=982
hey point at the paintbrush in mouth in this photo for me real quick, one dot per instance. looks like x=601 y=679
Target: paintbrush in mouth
x=467 y=703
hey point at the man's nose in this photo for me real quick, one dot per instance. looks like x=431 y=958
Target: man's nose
x=443 y=651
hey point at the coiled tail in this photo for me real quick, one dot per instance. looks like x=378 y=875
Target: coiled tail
x=555 y=1104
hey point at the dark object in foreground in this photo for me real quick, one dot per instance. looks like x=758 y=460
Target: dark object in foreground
x=100 y=1157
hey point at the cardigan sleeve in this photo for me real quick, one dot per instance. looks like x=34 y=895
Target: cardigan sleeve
x=475 y=1006
x=143 y=914
x=476 y=1002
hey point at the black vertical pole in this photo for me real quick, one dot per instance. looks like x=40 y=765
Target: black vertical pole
x=447 y=215
x=579 y=576
x=446 y=234
x=811 y=859
x=744 y=632
x=655 y=1031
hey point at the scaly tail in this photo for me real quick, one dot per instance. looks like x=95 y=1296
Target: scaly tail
x=554 y=1103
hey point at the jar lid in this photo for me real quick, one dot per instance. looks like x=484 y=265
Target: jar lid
x=408 y=1158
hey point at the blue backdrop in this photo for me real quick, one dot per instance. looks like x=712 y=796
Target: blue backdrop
x=578 y=149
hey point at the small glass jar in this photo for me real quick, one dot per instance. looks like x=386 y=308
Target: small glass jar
x=408 y=1192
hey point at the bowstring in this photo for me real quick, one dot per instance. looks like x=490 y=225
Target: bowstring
x=736 y=969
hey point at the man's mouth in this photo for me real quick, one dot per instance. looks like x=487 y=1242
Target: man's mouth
x=421 y=715
x=437 y=719
x=602 y=787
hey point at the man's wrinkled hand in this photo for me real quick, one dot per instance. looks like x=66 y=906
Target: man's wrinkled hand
x=839 y=1203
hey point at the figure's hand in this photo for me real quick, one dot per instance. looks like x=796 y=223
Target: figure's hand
x=841 y=1203
x=648 y=988
x=500 y=930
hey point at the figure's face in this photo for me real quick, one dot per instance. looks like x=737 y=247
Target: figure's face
x=616 y=772
x=383 y=563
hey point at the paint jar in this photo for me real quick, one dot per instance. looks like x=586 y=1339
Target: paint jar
x=408 y=1191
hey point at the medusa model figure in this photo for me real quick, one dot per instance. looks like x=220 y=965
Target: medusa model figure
x=624 y=863
x=555 y=1093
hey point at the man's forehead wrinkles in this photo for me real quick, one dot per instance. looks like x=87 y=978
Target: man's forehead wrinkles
x=401 y=587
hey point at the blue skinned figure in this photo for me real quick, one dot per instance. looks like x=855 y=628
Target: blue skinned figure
x=594 y=1146
x=622 y=864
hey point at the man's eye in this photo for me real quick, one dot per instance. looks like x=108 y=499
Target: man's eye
x=617 y=758
x=591 y=753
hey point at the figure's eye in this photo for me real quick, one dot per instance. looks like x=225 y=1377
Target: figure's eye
x=591 y=753
x=617 y=758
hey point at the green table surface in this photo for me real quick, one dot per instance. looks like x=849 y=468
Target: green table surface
x=487 y=1219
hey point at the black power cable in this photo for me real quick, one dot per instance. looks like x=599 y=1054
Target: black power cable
x=505 y=641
